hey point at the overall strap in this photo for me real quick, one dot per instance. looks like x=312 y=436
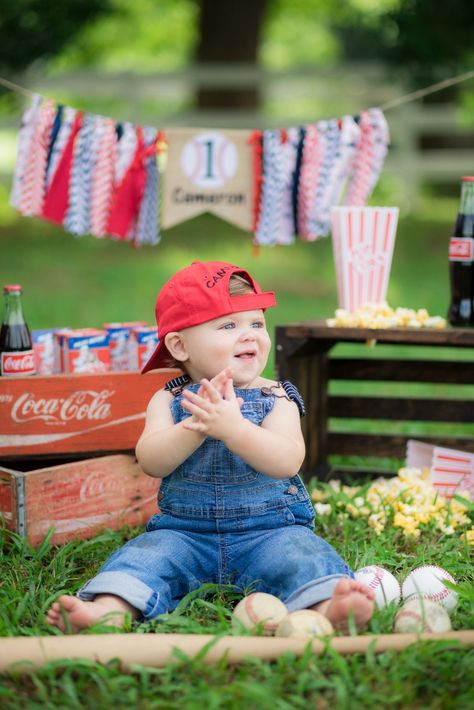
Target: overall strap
x=177 y=384
x=293 y=394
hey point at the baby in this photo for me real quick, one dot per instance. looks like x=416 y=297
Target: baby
x=227 y=444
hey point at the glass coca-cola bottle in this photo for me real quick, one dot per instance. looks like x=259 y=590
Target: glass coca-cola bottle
x=461 y=259
x=16 y=348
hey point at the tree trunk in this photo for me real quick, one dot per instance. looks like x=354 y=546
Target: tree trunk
x=229 y=33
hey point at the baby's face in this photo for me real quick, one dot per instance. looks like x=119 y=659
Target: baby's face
x=240 y=341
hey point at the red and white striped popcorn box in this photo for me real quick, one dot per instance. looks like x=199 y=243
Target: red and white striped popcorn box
x=363 y=240
x=451 y=470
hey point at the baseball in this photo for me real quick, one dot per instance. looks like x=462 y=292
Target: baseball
x=381 y=582
x=304 y=624
x=260 y=608
x=421 y=614
x=427 y=581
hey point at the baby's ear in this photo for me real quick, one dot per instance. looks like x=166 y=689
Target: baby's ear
x=176 y=346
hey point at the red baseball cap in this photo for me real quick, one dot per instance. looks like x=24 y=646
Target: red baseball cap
x=197 y=294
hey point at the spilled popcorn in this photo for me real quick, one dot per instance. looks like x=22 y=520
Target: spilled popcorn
x=381 y=315
x=408 y=501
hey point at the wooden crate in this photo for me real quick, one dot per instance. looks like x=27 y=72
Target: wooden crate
x=54 y=434
x=78 y=498
x=67 y=414
x=305 y=355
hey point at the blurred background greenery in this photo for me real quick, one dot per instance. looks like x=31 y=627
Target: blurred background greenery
x=239 y=63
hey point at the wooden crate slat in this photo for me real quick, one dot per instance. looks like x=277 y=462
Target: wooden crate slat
x=400 y=370
x=380 y=445
x=8 y=499
x=401 y=408
x=63 y=414
x=318 y=331
x=81 y=498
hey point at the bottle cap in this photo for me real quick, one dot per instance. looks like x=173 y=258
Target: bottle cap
x=12 y=287
x=468 y=178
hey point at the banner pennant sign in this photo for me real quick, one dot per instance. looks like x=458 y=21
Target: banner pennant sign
x=95 y=176
x=208 y=171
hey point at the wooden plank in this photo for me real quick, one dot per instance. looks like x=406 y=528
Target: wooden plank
x=287 y=349
x=75 y=413
x=362 y=444
x=318 y=330
x=8 y=499
x=401 y=408
x=400 y=370
x=309 y=375
x=81 y=498
x=316 y=453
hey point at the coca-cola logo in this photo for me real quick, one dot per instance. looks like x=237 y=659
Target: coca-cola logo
x=96 y=486
x=21 y=363
x=461 y=249
x=80 y=405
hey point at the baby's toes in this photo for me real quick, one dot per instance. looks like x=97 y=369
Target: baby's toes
x=369 y=593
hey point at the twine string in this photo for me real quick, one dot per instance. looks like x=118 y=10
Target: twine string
x=420 y=93
x=393 y=103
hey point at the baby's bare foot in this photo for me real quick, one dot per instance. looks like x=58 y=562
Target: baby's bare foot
x=73 y=614
x=348 y=598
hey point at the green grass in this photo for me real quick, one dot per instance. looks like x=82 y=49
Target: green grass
x=435 y=674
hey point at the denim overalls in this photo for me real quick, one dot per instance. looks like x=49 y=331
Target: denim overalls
x=222 y=521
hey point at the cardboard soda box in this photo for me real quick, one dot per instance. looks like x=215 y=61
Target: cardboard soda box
x=58 y=349
x=120 y=343
x=44 y=347
x=144 y=340
x=85 y=351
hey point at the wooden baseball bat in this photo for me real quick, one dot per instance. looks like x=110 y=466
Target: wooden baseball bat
x=28 y=653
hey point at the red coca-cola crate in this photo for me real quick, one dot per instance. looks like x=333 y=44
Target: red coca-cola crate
x=64 y=417
x=77 y=499
x=63 y=414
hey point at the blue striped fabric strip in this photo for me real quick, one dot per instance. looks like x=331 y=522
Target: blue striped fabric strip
x=77 y=219
x=147 y=229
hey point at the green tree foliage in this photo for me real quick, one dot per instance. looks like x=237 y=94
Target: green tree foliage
x=433 y=33
x=32 y=30
x=418 y=36
x=140 y=36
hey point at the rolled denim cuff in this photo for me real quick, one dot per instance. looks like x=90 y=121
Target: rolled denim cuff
x=311 y=593
x=122 y=585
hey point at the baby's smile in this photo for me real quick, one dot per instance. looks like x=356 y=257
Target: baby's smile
x=247 y=355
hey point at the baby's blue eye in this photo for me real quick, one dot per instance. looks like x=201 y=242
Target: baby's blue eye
x=228 y=326
x=258 y=324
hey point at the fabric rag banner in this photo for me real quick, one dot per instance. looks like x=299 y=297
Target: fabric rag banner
x=93 y=175
x=208 y=171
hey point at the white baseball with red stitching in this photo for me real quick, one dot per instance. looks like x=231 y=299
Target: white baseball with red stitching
x=304 y=623
x=260 y=608
x=382 y=582
x=427 y=581
x=419 y=615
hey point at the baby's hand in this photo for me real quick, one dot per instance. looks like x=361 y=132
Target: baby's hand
x=219 y=382
x=213 y=414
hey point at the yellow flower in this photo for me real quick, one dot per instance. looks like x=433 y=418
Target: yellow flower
x=470 y=536
x=416 y=532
